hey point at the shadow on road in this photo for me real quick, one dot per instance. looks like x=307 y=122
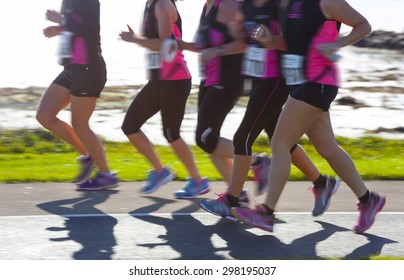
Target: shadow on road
x=193 y=240
x=95 y=234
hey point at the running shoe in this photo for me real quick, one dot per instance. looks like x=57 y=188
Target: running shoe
x=368 y=212
x=218 y=206
x=193 y=188
x=157 y=179
x=86 y=166
x=257 y=217
x=322 y=195
x=100 y=182
x=261 y=173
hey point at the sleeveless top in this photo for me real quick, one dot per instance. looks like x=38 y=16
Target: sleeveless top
x=80 y=36
x=305 y=28
x=224 y=71
x=260 y=62
x=159 y=69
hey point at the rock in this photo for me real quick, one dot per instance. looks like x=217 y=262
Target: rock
x=380 y=39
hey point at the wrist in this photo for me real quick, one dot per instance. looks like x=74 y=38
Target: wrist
x=220 y=51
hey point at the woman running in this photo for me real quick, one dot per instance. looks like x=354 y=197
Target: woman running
x=166 y=91
x=267 y=96
x=311 y=40
x=79 y=84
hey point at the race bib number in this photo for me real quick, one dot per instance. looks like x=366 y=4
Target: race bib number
x=153 y=60
x=65 y=45
x=255 y=60
x=292 y=69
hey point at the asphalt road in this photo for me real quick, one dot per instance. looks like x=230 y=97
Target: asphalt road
x=53 y=221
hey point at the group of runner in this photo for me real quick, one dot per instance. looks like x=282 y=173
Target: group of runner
x=287 y=48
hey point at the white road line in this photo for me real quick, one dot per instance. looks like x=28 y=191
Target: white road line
x=174 y=214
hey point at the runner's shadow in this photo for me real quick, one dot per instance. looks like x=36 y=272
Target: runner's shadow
x=198 y=238
x=372 y=248
x=93 y=232
x=247 y=245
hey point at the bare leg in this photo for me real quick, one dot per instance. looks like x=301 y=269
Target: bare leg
x=222 y=158
x=241 y=166
x=140 y=141
x=82 y=108
x=294 y=121
x=184 y=153
x=302 y=161
x=322 y=137
x=53 y=100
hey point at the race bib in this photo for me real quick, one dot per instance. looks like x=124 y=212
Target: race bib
x=153 y=60
x=65 y=45
x=293 y=69
x=255 y=60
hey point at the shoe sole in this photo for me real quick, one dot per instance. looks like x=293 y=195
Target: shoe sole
x=234 y=212
x=230 y=218
x=374 y=219
x=165 y=181
x=334 y=190
x=193 y=196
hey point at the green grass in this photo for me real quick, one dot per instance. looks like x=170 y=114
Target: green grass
x=38 y=156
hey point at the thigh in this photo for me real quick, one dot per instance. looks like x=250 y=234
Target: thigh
x=53 y=100
x=296 y=119
x=173 y=99
x=265 y=103
x=145 y=105
x=82 y=108
x=215 y=106
x=321 y=133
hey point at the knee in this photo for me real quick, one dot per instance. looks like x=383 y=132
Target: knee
x=171 y=135
x=242 y=146
x=327 y=152
x=43 y=118
x=206 y=140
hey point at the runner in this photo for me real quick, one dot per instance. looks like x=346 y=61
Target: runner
x=268 y=94
x=79 y=84
x=166 y=91
x=311 y=40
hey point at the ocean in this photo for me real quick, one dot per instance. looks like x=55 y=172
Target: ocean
x=375 y=78
x=27 y=58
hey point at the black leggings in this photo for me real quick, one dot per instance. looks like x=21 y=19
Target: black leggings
x=168 y=97
x=264 y=107
x=214 y=105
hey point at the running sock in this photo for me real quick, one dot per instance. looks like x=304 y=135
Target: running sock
x=232 y=200
x=321 y=181
x=364 y=198
x=268 y=211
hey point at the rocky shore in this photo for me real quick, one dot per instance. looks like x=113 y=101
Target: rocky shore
x=380 y=39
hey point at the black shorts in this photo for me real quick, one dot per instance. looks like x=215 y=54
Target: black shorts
x=317 y=95
x=83 y=80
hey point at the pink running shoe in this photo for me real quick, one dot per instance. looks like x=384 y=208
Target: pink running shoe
x=368 y=212
x=257 y=217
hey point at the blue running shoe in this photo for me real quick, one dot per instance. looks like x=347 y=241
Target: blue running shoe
x=157 y=179
x=193 y=189
x=221 y=207
x=101 y=181
x=218 y=206
x=86 y=166
x=261 y=173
